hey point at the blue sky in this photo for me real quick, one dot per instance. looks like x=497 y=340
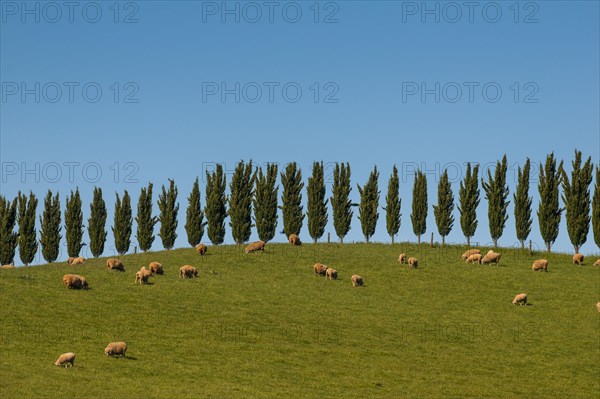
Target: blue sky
x=394 y=86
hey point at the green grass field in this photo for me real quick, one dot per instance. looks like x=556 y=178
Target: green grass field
x=264 y=325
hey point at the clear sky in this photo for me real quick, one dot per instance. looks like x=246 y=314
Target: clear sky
x=117 y=96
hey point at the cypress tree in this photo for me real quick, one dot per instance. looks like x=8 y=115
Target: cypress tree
x=144 y=219
x=444 y=208
x=122 y=225
x=291 y=200
x=265 y=203
x=576 y=197
x=393 y=204
x=496 y=193
x=369 y=202
x=549 y=211
x=468 y=197
x=50 y=233
x=596 y=208
x=8 y=236
x=317 y=202
x=419 y=205
x=97 y=223
x=216 y=202
x=194 y=217
x=28 y=245
x=240 y=202
x=167 y=203
x=340 y=200
x=74 y=224
x=523 y=203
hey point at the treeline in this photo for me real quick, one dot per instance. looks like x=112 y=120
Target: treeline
x=253 y=202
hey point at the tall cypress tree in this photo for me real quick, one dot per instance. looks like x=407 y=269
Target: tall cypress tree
x=291 y=200
x=194 y=217
x=419 y=205
x=393 y=204
x=340 y=200
x=144 y=219
x=240 y=202
x=317 y=202
x=122 y=225
x=265 y=203
x=369 y=202
x=97 y=223
x=576 y=197
x=28 y=245
x=51 y=227
x=74 y=224
x=596 y=208
x=468 y=197
x=523 y=203
x=216 y=205
x=8 y=236
x=444 y=208
x=549 y=211
x=496 y=193
x=167 y=203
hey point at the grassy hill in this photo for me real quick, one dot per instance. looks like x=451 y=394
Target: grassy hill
x=264 y=325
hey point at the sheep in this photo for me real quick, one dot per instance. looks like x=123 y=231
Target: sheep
x=598 y=307
x=65 y=359
x=356 y=280
x=520 y=299
x=75 y=281
x=470 y=252
x=490 y=257
x=294 y=239
x=255 y=246
x=77 y=261
x=402 y=258
x=7 y=267
x=115 y=264
x=70 y=260
x=474 y=258
x=331 y=274
x=187 y=271
x=116 y=348
x=142 y=276
x=578 y=259
x=413 y=262
x=540 y=264
x=156 y=268
x=320 y=269
x=201 y=249
x=596 y=263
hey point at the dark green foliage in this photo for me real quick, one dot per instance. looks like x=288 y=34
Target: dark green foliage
x=418 y=216
x=144 y=219
x=240 y=202
x=8 y=236
x=576 y=197
x=265 y=203
x=28 y=244
x=50 y=233
x=168 y=206
x=291 y=200
x=317 y=203
x=216 y=203
x=549 y=211
x=496 y=193
x=444 y=208
x=194 y=217
x=523 y=204
x=596 y=208
x=74 y=224
x=122 y=225
x=392 y=205
x=468 y=197
x=97 y=223
x=369 y=202
x=340 y=200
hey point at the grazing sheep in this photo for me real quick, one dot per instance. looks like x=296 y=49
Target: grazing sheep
x=596 y=263
x=115 y=264
x=116 y=349
x=520 y=299
x=356 y=280
x=490 y=257
x=540 y=264
x=413 y=262
x=156 y=268
x=7 y=267
x=331 y=274
x=188 y=271
x=598 y=307
x=255 y=246
x=77 y=261
x=75 y=281
x=578 y=259
x=65 y=359
x=294 y=239
x=320 y=269
x=70 y=260
x=402 y=258
x=142 y=276
x=470 y=252
x=474 y=258
x=201 y=249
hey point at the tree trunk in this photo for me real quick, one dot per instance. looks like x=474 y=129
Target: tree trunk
x=419 y=240
x=392 y=239
x=468 y=242
x=522 y=244
x=431 y=241
x=548 y=247
x=443 y=240
x=576 y=249
x=341 y=240
x=495 y=243
x=367 y=237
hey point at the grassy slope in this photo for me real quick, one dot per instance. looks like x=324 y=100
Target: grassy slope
x=266 y=326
